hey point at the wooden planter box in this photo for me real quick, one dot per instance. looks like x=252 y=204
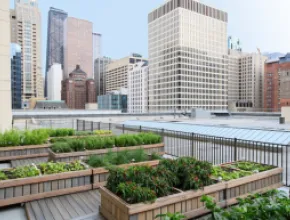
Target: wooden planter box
x=24 y=152
x=188 y=202
x=84 y=155
x=100 y=175
x=27 y=189
x=256 y=183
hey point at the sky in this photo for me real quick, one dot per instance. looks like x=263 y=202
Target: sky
x=123 y=24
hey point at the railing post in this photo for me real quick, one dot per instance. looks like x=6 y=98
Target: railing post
x=235 y=150
x=92 y=126
x=123 y=128
x=77 y=124
x=192 y=145
x=84 y=125
x=99 y=125
x=162 y=135
x=109 y=126
x=12 y=123
x=26 y=124
x=140 y=129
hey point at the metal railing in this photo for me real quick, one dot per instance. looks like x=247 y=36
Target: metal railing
x=215 y=150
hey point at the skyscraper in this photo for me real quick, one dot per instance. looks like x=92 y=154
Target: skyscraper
x=55 y=38
x=97 y=46
x=54 y=78
x=16 y=77
x=187 y=56
x=5 y=78
x=78 y=46
x=100 y=74
x=26 y=31
x=234 y=43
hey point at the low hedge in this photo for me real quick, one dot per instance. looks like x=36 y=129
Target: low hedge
x=95 y=142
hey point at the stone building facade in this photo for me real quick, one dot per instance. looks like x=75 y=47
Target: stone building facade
x=78 y=90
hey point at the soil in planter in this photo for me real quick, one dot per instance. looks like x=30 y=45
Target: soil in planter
x=226 y=174
x=122 y=157
x=250 y=166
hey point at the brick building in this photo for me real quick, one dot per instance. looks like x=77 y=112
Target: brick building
x=277 y=84
x=77 y=89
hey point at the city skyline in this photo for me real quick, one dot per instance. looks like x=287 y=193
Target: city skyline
x=251 y=30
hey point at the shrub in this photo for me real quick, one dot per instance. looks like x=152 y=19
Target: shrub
x=97 y=161
x=60 y=132
x=103 y=132
x=130 y=141
x=133 y=193
x=108 y=142
x=138 y=139
x=120 y=141
x=83 y=133
x=138 y=155
x=155 y=156
x=77 y=144
x=61 y=147
x=10 y=138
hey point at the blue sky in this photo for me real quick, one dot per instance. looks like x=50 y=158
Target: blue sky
x=123 y=23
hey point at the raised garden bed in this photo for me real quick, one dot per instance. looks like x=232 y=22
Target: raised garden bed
x=84 y=155
x=115 y=206
x=15 y=191
x=258 y=182
x=24 y=152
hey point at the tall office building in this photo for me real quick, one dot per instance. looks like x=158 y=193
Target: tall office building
x=55 y=38
x=117 y=72
x=16 y=78
x=138 y=88
x=26 y=31
x=97 y=46
x=78 y=46
x=100 y=74
x=54 y=78
x=187 y=57
x=5 y=77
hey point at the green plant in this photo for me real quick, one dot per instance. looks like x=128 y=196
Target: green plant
x=78 y=144
x=171 y=216
x=103 y=132
x=83 y=133
x=108 y=142
x=227 y=174
x=3 y=176
x=250 y=166
x=133 y=193
x=271 y=205
x=97 y=161
x=155 y=156
x=23 y=172
x=61 y=147
x=61 y=167
x=120 y=141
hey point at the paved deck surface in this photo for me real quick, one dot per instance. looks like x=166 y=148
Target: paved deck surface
x=18 y=163
x=80 y=206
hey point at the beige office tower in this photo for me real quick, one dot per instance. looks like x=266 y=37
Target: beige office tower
x=78 y=46
x=26 y=31
x=187 y=57
x=5 y=77
x=117 y=72
x=246 y=81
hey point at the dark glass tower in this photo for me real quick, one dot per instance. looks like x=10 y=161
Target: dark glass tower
x=16 y=78
x=55 y=39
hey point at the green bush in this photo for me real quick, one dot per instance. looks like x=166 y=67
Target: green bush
x=130 y=141
x=77 y=144
x=97 y=161
x=120 y=141
x=84 y=133
x=61 y=147
x=133 y=193
x=3 y=176
x=108 y=142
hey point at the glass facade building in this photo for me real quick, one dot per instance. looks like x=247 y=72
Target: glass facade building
x=16 y=78
x=55 y=39
x=113 y=102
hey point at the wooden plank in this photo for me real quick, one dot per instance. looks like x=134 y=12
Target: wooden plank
x=18 y=191
x=29 y=212
x=81 y=204
x=46 y=212
x=34 y=188
x=37 y=211
x=62 y=210
x=47 y=186
x=68 y=206
x=9 y=193
x=16 y=148
x=95 y=195
x=85 y=198
x=55 y=212
x=8 y=158
x=54 y=185
x=2 y=194
x=75 y=205
x=18 y=200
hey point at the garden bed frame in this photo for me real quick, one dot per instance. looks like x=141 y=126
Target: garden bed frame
x=188 y=202
x=100 y=175
x=256 y=183
x=18 y=191
x=24 y=152
x=84 y=155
